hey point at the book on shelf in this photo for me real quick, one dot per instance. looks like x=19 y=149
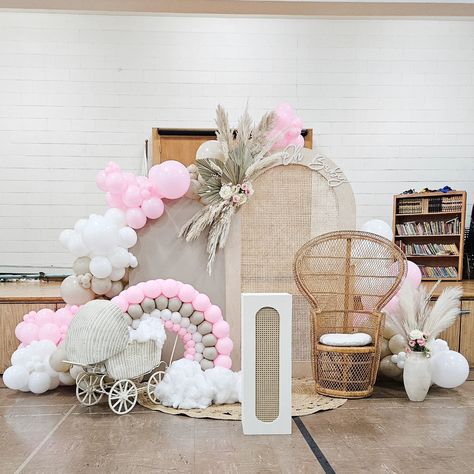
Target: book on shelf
x=452 y=226
x=410 y=206
x=427 y=249
x=438 y=272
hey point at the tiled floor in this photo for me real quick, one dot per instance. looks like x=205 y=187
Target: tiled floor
x=383 y=434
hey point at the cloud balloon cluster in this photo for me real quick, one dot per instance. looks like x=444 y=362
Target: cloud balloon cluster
x=287 y=127
x=140 y=197
x=31 y=370
x=186 y=386
x=45 y=324
x=101 y=245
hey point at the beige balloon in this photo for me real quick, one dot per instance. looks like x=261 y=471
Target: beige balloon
x=56 y=360
x=81 y=265
x=117 y=287
x=384 y=348
x=389 y=329
x=73 y=293
x=397 y=343
x=388 y=368
x=101 y=286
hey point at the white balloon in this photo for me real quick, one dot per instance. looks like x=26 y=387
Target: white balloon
x=449 y=369
x=39 y=382
x=53 y=382
x=65 y=378
x=80 y=224
x=15 y=377
x=378 y=227
x=64 y=236
x=119 y=258
x=127 y=237
x=438 y=345
x=210 y=149
x=117 y=274
x=100 y=267
x=75 y=371
x=133 y=261
x=116 y=216
x=76 y=246
x=100 y=235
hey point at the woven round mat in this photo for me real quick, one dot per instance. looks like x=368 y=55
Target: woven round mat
x=305 y=401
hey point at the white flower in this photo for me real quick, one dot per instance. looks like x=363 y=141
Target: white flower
x=415 y=334
x=225 y=192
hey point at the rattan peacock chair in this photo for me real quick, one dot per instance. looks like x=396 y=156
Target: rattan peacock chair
x=348 y=277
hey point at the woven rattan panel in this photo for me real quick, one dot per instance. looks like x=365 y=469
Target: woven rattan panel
x=267 y=364
x=291 y=204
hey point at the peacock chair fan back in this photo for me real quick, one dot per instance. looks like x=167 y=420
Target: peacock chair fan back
x=348 y=277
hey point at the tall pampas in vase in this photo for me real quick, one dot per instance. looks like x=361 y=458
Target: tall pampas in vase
x=421 y=321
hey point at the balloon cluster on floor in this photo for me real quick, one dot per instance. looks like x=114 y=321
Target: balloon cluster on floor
x=101 y=243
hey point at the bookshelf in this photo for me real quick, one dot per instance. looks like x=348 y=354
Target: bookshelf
x=429 y=228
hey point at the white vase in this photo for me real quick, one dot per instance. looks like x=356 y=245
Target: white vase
x=417 y=376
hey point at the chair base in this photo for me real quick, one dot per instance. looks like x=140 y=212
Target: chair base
x=343 y=394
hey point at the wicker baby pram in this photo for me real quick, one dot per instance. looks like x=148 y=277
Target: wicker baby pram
x=98 y=341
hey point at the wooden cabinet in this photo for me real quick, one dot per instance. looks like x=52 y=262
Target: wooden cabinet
x=466 y=341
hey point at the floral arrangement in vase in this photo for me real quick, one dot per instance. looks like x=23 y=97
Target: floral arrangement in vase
x=417 y=342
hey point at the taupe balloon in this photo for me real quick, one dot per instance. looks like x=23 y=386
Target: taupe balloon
x=205 y=328
x=128 y=318
x=388 y=368
x=81 y=265
x=56 y=360
x=209 y=340
x=389 y=329
x=148 y=305
x=186 y=310
x=210 y=353
x=73 y=293
x=397 y=343
x=174 y=304
x=135 y=311
x=100 y=286
x=197 y=318
x=384 y=349
x=117 y=287
x=206 y=364
x=161 y=302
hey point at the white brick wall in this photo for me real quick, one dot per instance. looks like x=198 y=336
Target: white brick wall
x=391 y=101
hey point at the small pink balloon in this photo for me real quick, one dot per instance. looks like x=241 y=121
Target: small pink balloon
x=224 y=346
x=63 y=329
x=132 y=197
x=413 y=274
x=168 y=324
x=50 y=332
x=115 y=182
x=101 y=179
x=213 y=314
x=26 y=332
x=223 y=361
x=135 y=217
x=153 y=207
x=114 y=200
x=134 y=294
x=152 y=289
x=182 y=332
x=187 y=337
x=201 y=302
x=187 y=293
x=189 y=357
x=191 y=351
x=121 y=302
x=171 y=179
x=221 y=329
x=176 y=327
x=190 y=343
x=170 y=288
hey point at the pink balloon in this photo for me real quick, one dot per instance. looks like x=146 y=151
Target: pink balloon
x=44 y=316
x=189 y=357
x=224 y=346
x=176 y=327
x=168 y=324
x=190 y=342
x=201 y=302
x=115 y=182
x=153 y=207
x=134 y=294
x=187 y=293
x=101 y=180
x=121 y=302
x=223 y=361
x=170 y=288
x=213 y=314
x=152 y=289
x=187 y=338
x=171 y=179
x=114 y=200
x=392 y=305
x=136 y=219
x=182 y=332
x=191 y=351
x=49 y=331
x=413 y=274
x=132 y=197
x=221 y=329
x=26 y=332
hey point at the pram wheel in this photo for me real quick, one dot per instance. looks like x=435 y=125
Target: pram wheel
x=154 y=380
x=88 y=390
x=123 y=396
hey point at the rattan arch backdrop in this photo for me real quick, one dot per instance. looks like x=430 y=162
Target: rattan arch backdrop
x=303 y=196
x=347 y=277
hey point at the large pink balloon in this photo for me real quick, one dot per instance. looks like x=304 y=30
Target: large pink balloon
x=136 y=219
x=392 y=305
x=153 y=207
x=132 y=196
x=413 y=274
x=171 y=179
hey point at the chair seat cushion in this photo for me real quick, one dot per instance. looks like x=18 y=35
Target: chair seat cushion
x=356 y=339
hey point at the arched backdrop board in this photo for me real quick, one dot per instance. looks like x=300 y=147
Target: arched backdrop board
x=304 y=196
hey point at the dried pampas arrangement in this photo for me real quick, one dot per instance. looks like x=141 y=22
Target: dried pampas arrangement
x=226 y=184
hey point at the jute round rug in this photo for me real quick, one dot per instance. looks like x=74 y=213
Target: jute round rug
x=305 y=401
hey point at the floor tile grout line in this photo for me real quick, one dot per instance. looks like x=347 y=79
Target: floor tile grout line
x=46 y=438
x=310 y=441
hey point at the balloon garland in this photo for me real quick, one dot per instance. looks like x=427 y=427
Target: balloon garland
x=186 y=312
